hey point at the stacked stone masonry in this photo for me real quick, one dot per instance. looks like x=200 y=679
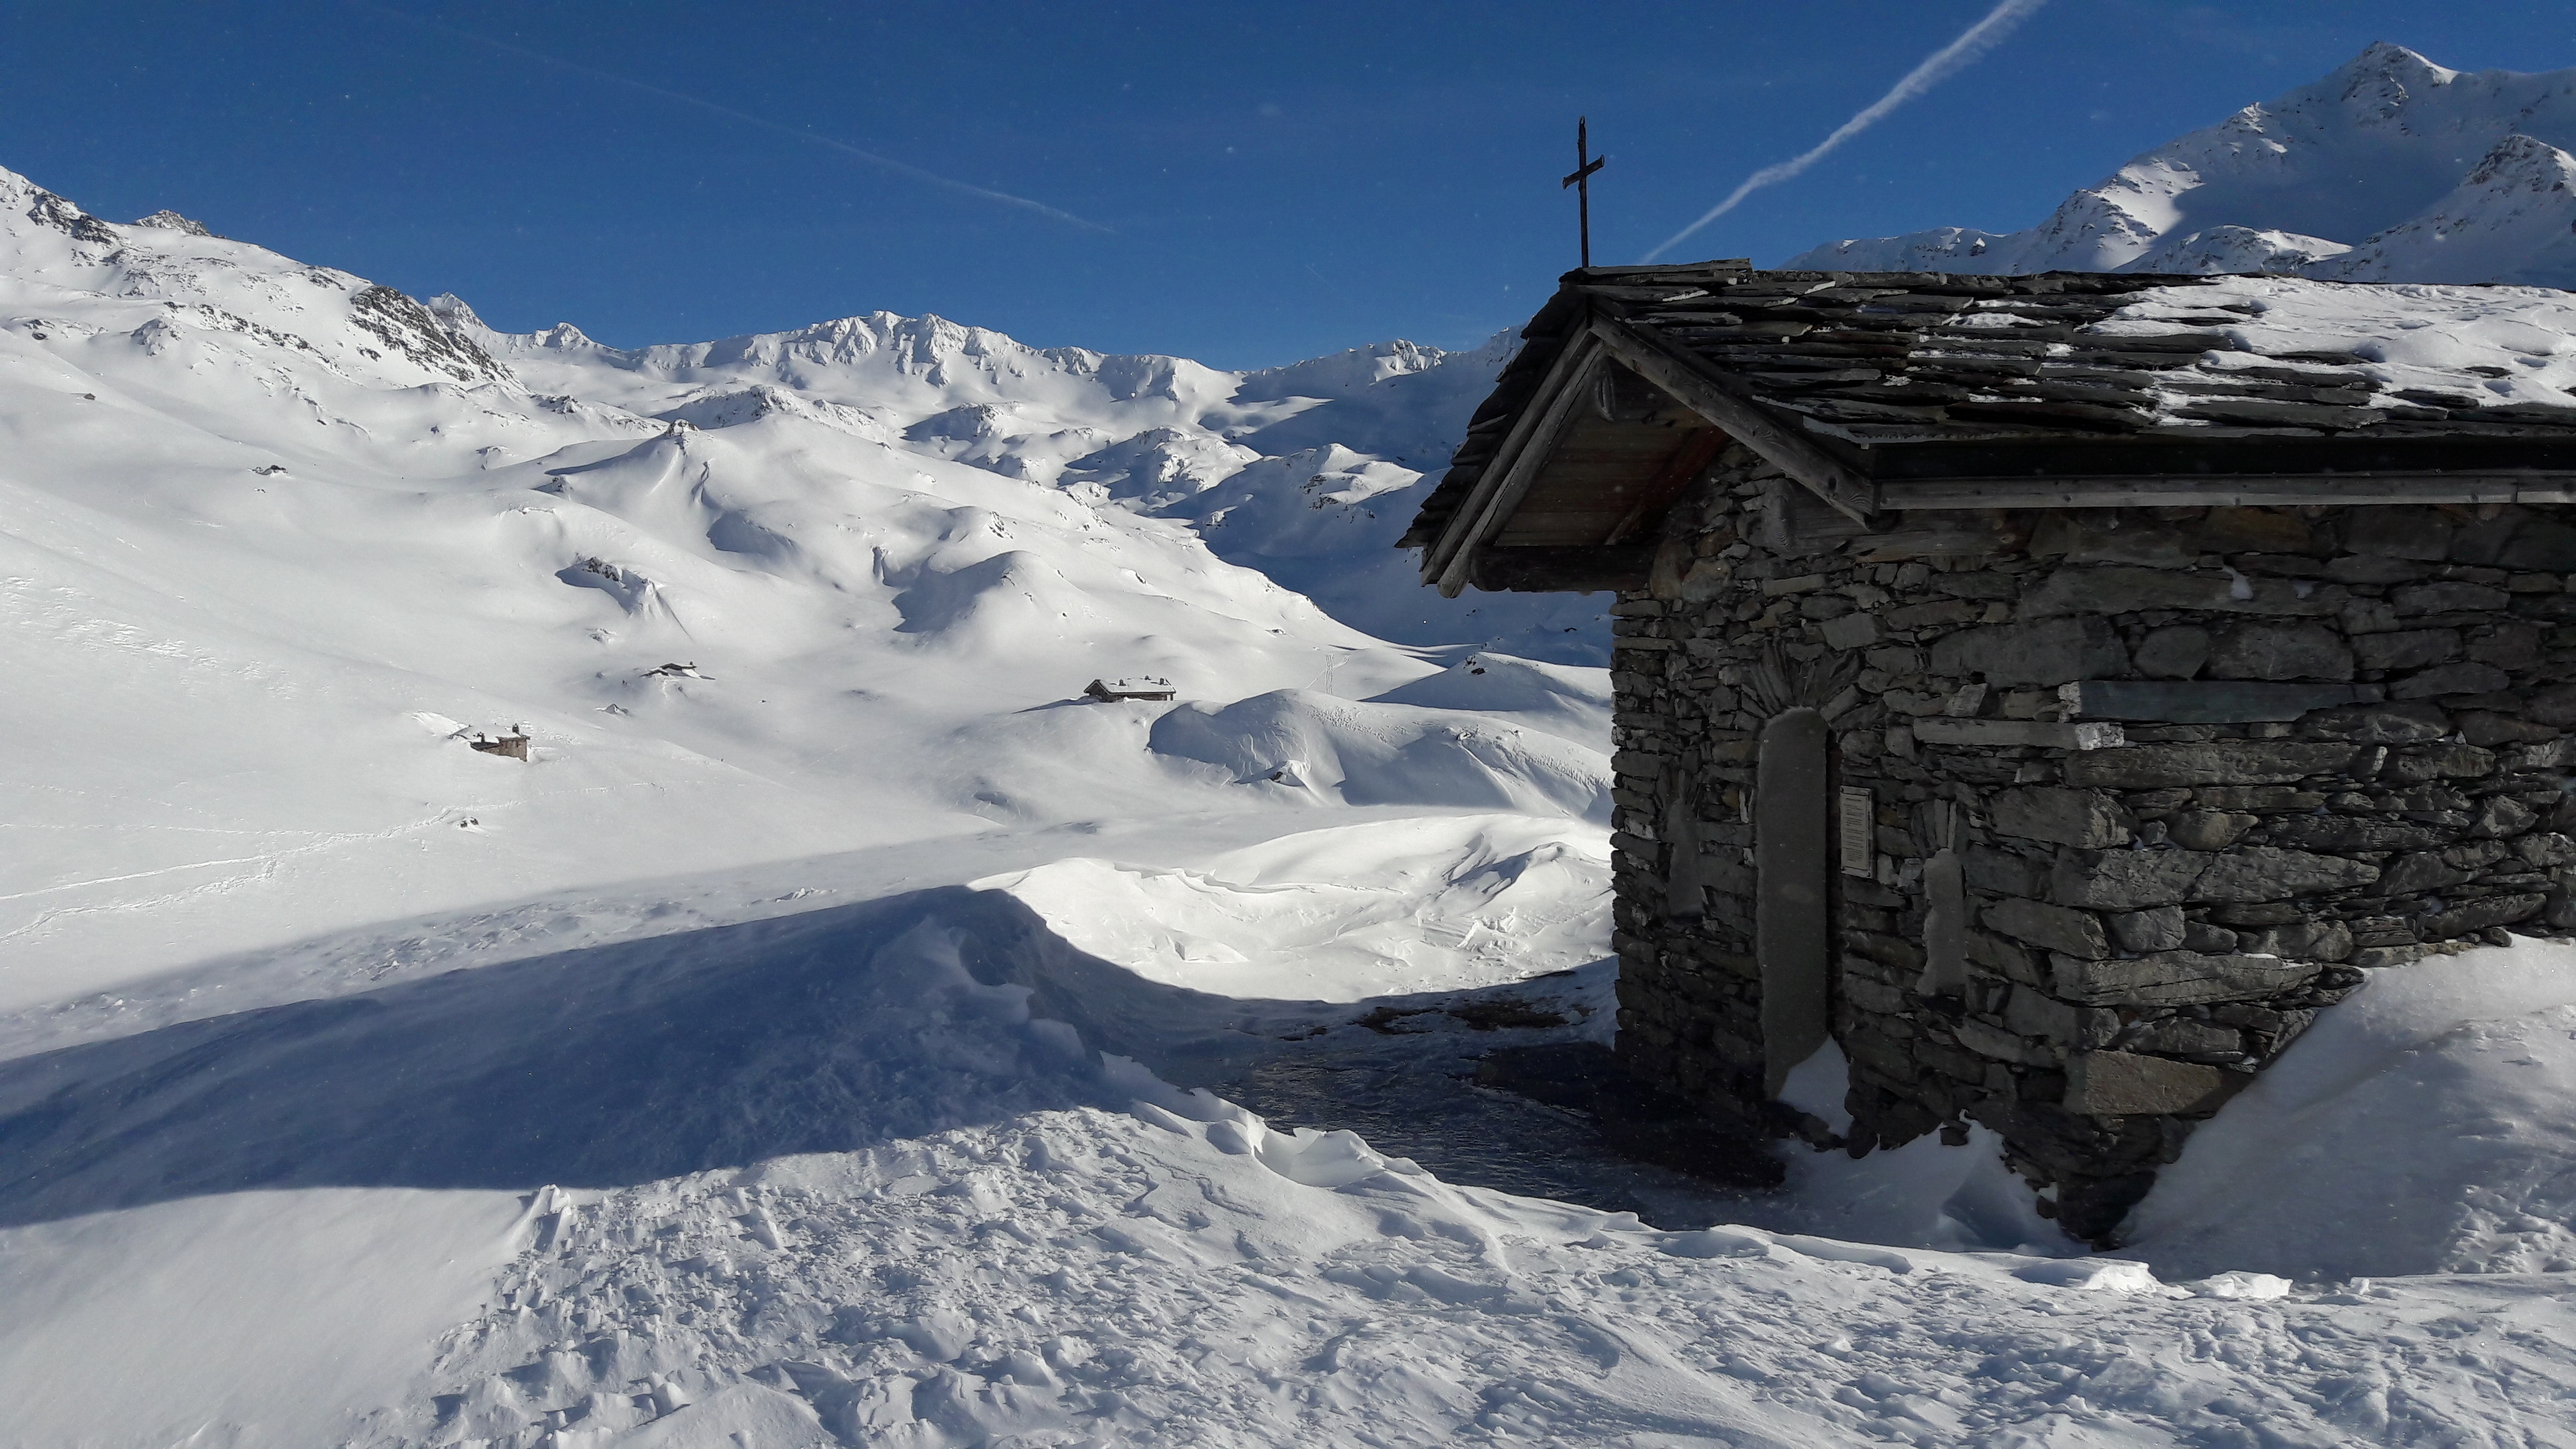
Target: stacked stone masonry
x=2197 y=769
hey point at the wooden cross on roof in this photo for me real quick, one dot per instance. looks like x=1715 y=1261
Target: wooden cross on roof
x=1585 y=163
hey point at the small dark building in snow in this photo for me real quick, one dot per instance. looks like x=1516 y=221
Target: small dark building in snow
x=2054 y=690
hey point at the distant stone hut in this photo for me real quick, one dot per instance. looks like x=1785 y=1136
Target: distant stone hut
x=1111 y=691
x=2054 y=690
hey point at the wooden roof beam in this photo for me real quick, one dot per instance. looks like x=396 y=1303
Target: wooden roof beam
x=2257 y=490
x=1451 y=558
x=1722 y=400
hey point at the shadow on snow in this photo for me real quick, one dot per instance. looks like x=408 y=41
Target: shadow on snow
x=826 y=1031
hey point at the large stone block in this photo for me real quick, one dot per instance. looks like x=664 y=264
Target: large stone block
x=2317 y=940
x=2001 y=1045
x=2093 y=819
x=2175 y=652
x=2077 y=933
x=2279 y=651
x=2447 y=596
x=2157 y=929
x=2208 y=701
x=2541 y=547
x=2416 y=533
x=2036 y=1013
x=1935 y=613
x=2125 y=880
x=2219 y=762
x=2125 y=1084
x=2479 y=915
x=2264 y=873
x=1851 y=631
x=2554 y=706
x=2090 y=591
x=2054 y=651
x=2406 y=648
x=2175 y=978
x=2378 y=724
x=2507 y=646
x=2413 y=874
x=2465 y=676
x=2003 y=873
x=2181 y=1036
x=2355 y=833
x=2209 y=829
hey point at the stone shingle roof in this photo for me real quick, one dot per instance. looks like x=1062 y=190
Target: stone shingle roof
x=1930 y=376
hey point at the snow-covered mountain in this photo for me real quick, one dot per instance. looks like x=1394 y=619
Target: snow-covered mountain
x=279 y=542
x=2391 y=168
x=1148 y=435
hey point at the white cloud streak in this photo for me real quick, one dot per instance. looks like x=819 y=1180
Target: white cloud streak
x=1939 y=66
x=887 y=163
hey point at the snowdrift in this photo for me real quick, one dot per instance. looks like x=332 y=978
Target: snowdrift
x=1298 y=744
x=1344 y=914
x=2419 y=1127
x=1568 y=701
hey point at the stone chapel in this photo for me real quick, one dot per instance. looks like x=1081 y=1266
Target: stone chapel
x=2051 y=690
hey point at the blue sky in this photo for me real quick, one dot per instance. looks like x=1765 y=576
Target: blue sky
x=1245 y=185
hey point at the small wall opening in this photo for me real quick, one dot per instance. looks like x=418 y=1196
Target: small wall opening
x=1945 y=918
x=1792 y=922
x=1684 y=896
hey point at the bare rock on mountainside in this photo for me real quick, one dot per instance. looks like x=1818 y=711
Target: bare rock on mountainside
x=168 y=220
x=2468 y=183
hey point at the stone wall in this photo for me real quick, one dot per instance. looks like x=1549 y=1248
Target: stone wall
x=2196 y=771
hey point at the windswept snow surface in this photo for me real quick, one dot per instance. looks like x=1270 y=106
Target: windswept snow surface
x=815 y=1040
x=1344 y=914
x=2390 y=169
x=861 y=1175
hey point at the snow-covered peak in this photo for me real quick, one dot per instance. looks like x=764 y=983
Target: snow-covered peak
x=2236 y=249
x=450 y=309
x=2415 y=131
x=165 y=281
x=2513 y=219
x=1339 y=374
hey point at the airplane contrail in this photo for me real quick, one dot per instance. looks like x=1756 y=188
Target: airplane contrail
x=900 y=168
x=1939 y=66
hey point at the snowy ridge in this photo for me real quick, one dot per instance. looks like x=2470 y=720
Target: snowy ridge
x=2466 y=176
x=1149 y=435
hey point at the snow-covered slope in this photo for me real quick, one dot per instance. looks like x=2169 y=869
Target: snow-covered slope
x=2390 y=169
x=1255 y=461
x=278 y=543
x=2512 y=219
x=889 y=1172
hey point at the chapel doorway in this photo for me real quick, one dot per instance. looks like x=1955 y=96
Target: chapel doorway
x=1792 y=920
